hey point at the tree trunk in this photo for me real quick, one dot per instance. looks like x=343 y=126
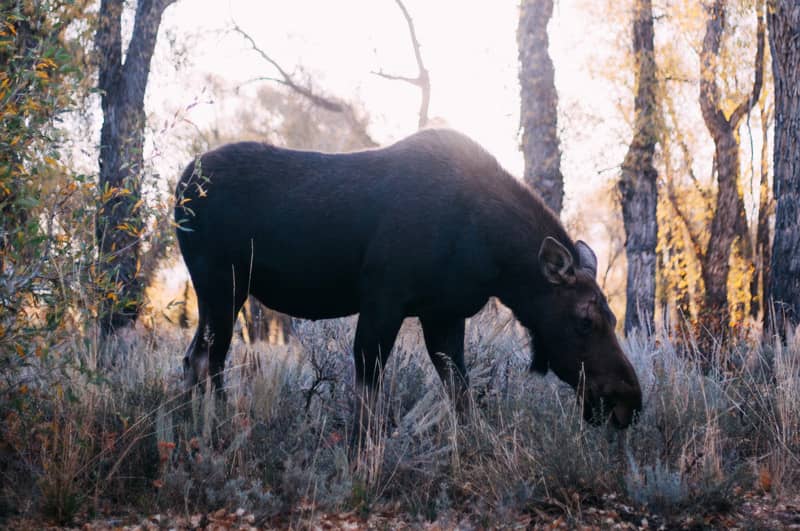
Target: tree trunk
x=262 y=324
x=784 y=287
x=716 y=261
x=760 y=281
x=637 y=185
x=728 y=218
x=539 y=104
x=122 y=87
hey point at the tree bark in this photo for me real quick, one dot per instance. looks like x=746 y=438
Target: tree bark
x=784 y=287
x=539 y=104
x=637 y=185
x=122 y=87
x=727 y=219
x=760 y=281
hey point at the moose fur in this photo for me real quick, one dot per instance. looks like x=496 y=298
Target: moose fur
x=429 y=227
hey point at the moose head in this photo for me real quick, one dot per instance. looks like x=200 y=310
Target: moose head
x=573 y=335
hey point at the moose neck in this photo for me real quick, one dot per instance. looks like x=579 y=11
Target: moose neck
x=520 y=283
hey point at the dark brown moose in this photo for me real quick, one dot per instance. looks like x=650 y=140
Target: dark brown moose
x=430 y=227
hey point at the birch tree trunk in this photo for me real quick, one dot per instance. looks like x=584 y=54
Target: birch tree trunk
x=539 y=104
x=637 y=185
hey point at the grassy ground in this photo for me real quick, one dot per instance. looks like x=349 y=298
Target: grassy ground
x=123 y=445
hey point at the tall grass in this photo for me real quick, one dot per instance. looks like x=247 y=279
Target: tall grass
x=83 y=440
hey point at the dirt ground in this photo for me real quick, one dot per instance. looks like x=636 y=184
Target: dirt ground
x=756 y=511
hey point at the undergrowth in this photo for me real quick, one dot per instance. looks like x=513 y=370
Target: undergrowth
x=78 y=440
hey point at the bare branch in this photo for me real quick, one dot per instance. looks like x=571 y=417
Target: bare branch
x=140 y=50
x=411 y=80
x=747 y=105
x=709 y=90
x=423 y=79
x=327 y=103
x=413 y=34
x=316 y=99
x=261 y=78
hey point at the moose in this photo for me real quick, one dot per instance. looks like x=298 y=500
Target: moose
x=429 y=227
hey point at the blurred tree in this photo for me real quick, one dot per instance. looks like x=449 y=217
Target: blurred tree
x=687 y=209
x=539 y=104
x=684 y=212
x=357 y=121
x=278 y=115
x=122 y=85
x=784 y=286
x=638 y=182
x=722 y=120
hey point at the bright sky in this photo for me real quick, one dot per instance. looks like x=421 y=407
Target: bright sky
x=469 y=48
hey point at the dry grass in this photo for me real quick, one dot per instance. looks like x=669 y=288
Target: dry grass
x=81 y=440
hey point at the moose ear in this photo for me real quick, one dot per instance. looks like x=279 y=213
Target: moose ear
x=556 y=262
x=586 y=257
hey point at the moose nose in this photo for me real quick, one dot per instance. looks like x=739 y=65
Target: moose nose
x=625 y=411
x=622 y=416
x=621 y=411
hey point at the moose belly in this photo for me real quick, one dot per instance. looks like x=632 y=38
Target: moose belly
x=307 y=296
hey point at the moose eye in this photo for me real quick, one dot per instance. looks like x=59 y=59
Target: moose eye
x=584 y=325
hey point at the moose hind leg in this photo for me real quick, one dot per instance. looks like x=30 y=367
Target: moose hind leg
x=444 y=339
x=221 y=326
x=195 y=361
x=208 y=350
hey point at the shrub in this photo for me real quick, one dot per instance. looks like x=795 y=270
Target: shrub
x=278 y=445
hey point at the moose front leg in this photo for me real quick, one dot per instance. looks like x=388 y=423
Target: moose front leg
x=444 y=339
x=375 y=335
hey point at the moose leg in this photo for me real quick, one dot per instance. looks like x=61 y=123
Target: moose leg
x=195 y=361
x=444 y=340
x=375 y=335
x=221 y=324
x=216 y=316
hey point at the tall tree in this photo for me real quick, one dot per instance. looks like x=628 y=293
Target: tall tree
x=784 y=289
x=637 y=185
x=729 y=218
x=539 y=104
x=122 y=86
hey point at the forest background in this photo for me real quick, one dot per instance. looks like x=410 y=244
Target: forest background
x=664 y=133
